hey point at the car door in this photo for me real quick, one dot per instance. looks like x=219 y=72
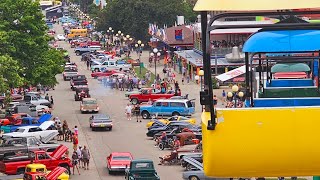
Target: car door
x=156 y=109
x=166 y=109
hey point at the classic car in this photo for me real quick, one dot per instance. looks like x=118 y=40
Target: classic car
x=20 y=145
x=141 y=169
x=145 y=96
x=173 y=125
x=78 y=80
x=103 y=73
x=37 y=131
x=127 y=94
x=168 y=107
x=80 y=50
x=196 y=171
x=81 y=92
x=118 y=161
x=69 y=72
x=89 y=105
x=111 y=65
x=60 y=37
x=100 y=121
x=26 y=121
x=186 y=164
x=39 y=171
x=173 y=118
x=17 y=164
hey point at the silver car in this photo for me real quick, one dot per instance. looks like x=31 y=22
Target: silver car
x=100 y=121
x=196 y=173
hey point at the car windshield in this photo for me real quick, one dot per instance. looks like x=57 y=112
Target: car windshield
x=189 y=104
x=19 y=130
x=90 y=102
x=121 y=158
x=143 y=166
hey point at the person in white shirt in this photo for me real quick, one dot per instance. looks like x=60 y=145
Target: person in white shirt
x=128 y=110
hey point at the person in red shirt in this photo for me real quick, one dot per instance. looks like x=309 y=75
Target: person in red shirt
x=75 y=141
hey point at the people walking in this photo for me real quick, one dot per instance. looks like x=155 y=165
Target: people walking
x=128 y=111
x=75 y=161
x=64 y=129
x=47 y=97
x=223 y=96
x=51 y=101
x=75 y=141
x=79 y=152
x=85 y=157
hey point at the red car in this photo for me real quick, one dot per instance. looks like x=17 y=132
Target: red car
x=103 y=73
x=145 y=96
x=118 y=161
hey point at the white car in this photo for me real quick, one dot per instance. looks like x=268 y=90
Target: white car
x=60 y=37
x=37 y=131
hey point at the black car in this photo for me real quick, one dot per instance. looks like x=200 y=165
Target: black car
x=78 y=80
x=81 y=92
x=173 y=125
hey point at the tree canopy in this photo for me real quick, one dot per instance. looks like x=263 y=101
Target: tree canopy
x=134 y=16
x=24 y=49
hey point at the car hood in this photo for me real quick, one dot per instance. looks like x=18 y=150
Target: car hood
x=49 y=137
x=59 y=152
x=56 y=172
x=115 y=163
x=193 y=162
x=45 y=125
x=44 y=118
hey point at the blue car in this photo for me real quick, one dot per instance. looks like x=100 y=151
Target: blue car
x=168 y=107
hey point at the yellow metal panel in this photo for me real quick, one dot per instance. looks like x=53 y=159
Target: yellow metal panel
x=274 y=142
x=253 y=5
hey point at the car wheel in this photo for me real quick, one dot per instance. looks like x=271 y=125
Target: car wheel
x=82 y=112
x=161 y=146
x=110 y=129
x=64 y=78
x=20 y=171
x=93 y=129
x=175 y=114
x=189 y=167
x=193 y=178
x=134 y=101
x=66 y=167
x=78 y=53
x=109 y=171
x=145 y=114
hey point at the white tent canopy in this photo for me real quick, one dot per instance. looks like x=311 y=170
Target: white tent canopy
x=232 y=74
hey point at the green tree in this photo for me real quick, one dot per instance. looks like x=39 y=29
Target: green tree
x=133 y=16
x=23 y=37
x=10 y=73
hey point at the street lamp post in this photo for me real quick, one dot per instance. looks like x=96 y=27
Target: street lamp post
x=233 y=94
x=156 y=54
x=139 y=47
x=201 y=73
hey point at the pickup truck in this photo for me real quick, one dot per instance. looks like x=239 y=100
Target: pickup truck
x=145 y=96
x=17 y=164
x=69 y=72
x=26 y=121
x=32 y=99
x=21 y=145
x=141 y=169
x=80 y=50
x=111 y=65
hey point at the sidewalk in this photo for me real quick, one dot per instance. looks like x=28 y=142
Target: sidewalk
x=190 y=88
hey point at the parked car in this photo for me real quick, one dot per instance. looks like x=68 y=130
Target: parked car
x=186 y=164
x=39 y=171
x=39 y=132
x=89 y=105
x=173 y=125
x=17 y=164
x=196 y=172
x=168 y=107
x=141 y=169
x=111 y=65
x=14 y=119
x=19 y=145
x=26 y=121
x=147 y=95
x=118 y=161
x=101 y=121
x=80 y=50
x=174 y=118
x=60 y=37
x=32 y=99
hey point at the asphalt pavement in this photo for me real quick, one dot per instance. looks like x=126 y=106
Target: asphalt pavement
x=126 y=136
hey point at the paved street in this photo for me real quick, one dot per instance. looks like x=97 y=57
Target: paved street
x=125 y=136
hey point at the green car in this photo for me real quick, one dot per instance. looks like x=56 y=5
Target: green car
x=141 y=169
x=128 y=93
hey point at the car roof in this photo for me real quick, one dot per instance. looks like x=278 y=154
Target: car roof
x=142 y=161
x=121 y=154
x=100 y=116
x=172 y=100
x=89 y=99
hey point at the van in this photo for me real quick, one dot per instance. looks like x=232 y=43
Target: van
x=168 y=107
x=77 y=33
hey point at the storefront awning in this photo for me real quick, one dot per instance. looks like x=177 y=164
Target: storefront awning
x=232 y=74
